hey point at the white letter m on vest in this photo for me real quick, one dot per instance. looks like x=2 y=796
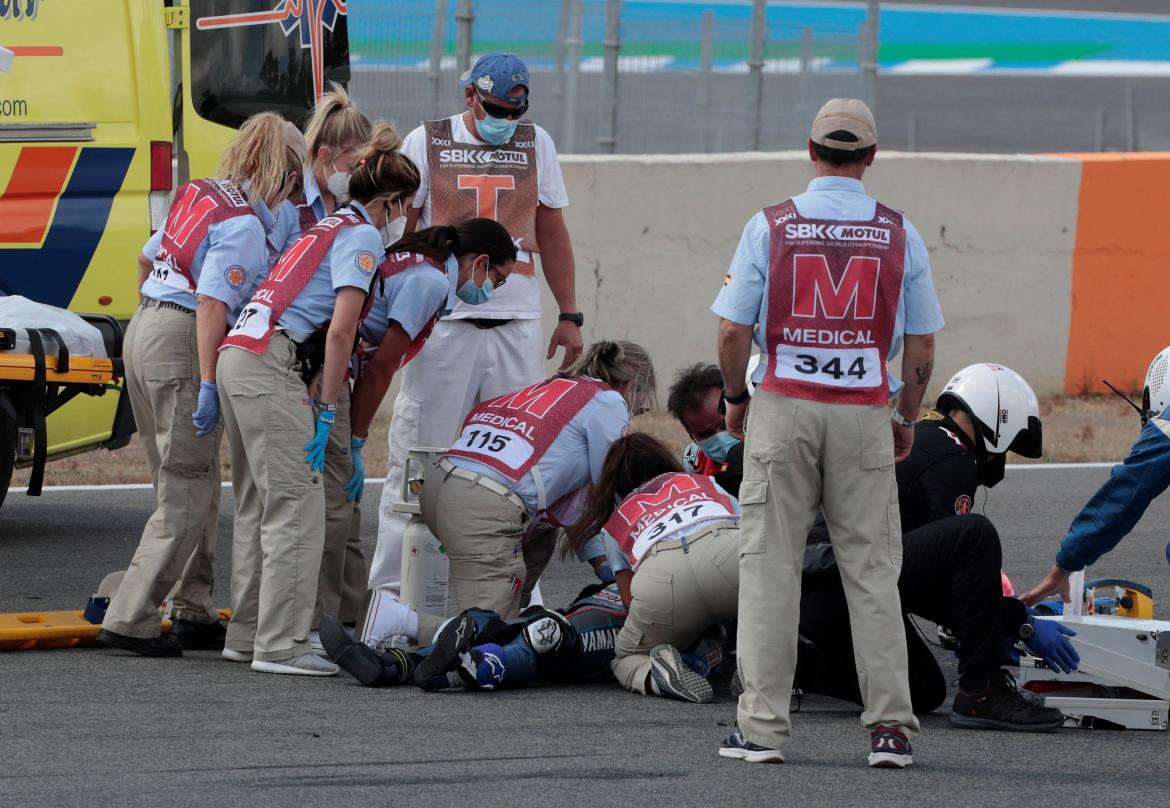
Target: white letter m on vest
x=814 y=293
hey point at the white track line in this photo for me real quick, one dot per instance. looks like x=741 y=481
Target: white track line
x=380 y=480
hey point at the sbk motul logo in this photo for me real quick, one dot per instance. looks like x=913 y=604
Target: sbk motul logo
x=853 y=295
x=482 y=157
x=837 y=232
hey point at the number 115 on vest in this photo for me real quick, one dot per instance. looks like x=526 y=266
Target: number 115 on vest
x=504 y=446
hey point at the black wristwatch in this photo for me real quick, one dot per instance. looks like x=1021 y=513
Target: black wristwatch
x=1026 y=630
x=572 y=317
x=740 y=399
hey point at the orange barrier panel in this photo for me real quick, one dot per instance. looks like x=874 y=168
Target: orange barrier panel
x=1121 y=271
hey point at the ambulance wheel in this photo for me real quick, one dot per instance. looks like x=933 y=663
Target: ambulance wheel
x=7 y=452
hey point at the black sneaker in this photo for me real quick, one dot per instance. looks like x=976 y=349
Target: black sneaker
x=143 y=646
x=1001 y=705
x=455 y=637
x=889 y=748
x=199 y=636
x=371 y=668
x=737 y=747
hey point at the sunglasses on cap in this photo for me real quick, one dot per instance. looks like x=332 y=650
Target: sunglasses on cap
x=497 y=111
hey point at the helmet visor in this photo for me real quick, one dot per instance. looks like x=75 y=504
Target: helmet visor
x=1029 y=442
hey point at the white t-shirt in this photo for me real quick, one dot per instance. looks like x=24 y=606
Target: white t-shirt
x=519 y=299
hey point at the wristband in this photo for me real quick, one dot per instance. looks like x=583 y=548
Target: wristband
x=740 y=399
x=572 y=317
x=900 y=419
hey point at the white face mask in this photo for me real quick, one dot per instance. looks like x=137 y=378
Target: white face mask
x=337 y=184
x=394 y=228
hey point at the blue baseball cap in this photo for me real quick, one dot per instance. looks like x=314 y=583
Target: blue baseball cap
x=497 y=74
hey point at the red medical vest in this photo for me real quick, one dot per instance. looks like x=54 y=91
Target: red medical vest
x=257 y=322
x=198 y=205
x=833 y=292
x=512 y=433
x=664 y=506
x=395 y=264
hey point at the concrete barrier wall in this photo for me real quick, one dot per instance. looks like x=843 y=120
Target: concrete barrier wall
x=1025 y=277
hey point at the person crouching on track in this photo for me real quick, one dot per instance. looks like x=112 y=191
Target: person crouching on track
x=319 y=284
x=673 y=544
x=517 y=473
x=421 y=279
x=194 y=273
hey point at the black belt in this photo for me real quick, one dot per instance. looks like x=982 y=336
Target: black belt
x=150 y=302
x=484 y=323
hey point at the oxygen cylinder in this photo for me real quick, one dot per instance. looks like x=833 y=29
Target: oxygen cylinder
x=425 y=567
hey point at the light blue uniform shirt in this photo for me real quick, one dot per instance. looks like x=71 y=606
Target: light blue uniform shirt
x=587 y=437
x=411 y=298
x=351 y=261
x=229 y=263
x=292 y=214
x=744 y=297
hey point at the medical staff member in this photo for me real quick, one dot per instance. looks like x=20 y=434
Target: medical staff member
x=320 y=283
x=834 y=280
x=489 y=162
x=673 y=544
x=197 y=270
x=1119 y=503
x=427 y=272
x=517 y=472
x=335 y=133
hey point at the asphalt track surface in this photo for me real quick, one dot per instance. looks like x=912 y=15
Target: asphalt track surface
x=89 y=727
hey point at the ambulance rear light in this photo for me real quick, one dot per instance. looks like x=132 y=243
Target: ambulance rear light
x=160 y=165
x=161 y=174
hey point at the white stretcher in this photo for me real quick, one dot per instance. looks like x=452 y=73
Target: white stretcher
x=1117 y=654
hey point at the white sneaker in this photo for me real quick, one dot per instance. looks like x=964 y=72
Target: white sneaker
x=235 y=656
x=316 y=645
x=303 y=665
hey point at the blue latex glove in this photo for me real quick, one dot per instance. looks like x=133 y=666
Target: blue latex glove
x=604 y=573
x=353 y=488
x=206 y=415
x=1050 y=643
x=315 y=449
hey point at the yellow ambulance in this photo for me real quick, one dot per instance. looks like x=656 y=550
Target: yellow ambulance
x=106 y=105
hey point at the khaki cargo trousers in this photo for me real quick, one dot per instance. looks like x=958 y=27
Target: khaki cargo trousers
x=801 y=456
x=280 y=502
x=341 y=586
x=482 y=531
x=162 y=380
x=677 y=594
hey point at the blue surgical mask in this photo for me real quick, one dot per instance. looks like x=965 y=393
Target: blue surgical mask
x=718 y=445
x=496 y=131
x=474 y=295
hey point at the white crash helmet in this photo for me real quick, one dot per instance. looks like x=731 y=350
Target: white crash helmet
x=1156 y=396
x=1003 y=406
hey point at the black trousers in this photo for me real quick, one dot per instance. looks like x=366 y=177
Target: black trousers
x=950 y=576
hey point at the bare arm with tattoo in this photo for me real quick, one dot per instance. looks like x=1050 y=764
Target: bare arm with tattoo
x=917 y=364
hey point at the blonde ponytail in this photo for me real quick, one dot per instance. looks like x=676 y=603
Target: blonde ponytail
x=618 y=363
x=336 y=123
